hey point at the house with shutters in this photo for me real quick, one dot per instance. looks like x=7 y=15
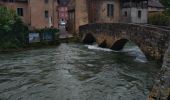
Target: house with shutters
x=83 y=12
x=36 y=14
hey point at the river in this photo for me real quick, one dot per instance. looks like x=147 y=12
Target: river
x=76 y=72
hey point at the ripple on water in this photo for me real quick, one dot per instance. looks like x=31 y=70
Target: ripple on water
x=75 y=72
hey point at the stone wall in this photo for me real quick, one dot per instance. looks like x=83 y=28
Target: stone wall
x=152 y=41
x=98 y=11
x=81 y=14
x=161 y=88
x=78 y=15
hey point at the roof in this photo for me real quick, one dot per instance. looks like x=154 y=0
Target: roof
x=155 y=3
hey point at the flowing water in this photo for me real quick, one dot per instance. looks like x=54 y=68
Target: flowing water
x=76 y=72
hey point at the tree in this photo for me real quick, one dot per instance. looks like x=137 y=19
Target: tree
x=166 y=3
x=12 y=29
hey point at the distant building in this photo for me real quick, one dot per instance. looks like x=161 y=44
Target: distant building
x=35 y=13
x=63 y=13
x=134 y=11
x=82 y=12
x=154 y=6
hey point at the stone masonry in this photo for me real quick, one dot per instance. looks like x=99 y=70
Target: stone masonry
x=153 y=41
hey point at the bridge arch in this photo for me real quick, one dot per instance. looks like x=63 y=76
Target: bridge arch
x=89 y=39
x=119 y=44
x=152 y=41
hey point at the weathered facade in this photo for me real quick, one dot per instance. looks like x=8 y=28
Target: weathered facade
x=154 y=6
x=35 y=13
x=134 y=11
x=78 y=14
x=106 y=11
x=153 y=41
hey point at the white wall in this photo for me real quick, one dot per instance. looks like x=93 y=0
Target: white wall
x=132 y=15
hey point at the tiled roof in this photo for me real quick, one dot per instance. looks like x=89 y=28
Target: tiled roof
x=155 y=3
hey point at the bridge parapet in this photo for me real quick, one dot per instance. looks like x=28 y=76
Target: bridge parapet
x=152 y=40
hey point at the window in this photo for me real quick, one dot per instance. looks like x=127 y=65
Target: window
x=110 y=10
x=11 y=0
x=20 y=12
x=139 y=14
x=125 y=14
x=46 y=1
x=46 y=14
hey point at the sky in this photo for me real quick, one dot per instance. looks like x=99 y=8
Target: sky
x=63 y=1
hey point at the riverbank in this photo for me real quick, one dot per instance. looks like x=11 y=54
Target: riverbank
x=39 y=45
x=29 y=47
x=161 y=88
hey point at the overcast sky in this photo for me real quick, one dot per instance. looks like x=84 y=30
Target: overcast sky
x=63 y=1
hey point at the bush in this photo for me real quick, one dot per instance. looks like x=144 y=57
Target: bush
x=159 y=19
x=48 y=31
x=12 y=30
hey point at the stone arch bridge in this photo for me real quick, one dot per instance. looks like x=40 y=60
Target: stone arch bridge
x=152 y=41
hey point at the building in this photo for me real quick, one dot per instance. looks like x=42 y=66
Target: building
x=100 y=11
x=63 y=13
x=134 y=11
x=154 y=6
x=78 y=15
x=82 y=12
x=35 y=13
x=63 y=10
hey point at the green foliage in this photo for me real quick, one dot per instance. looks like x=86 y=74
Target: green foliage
x=166 y=3
x=12 y=30
x=159 y=19
x=47 y=30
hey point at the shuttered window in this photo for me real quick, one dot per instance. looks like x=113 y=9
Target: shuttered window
x=46 y=14
x=110 y=10
x=46 y=1
x=20 y=12
x=139 y=14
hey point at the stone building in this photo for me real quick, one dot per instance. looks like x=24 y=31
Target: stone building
x=154 y=6
x=63 y=10
x=106 y=11
x=134 y=11
x=35 y=13
x=63 y=13
x=100 y=11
